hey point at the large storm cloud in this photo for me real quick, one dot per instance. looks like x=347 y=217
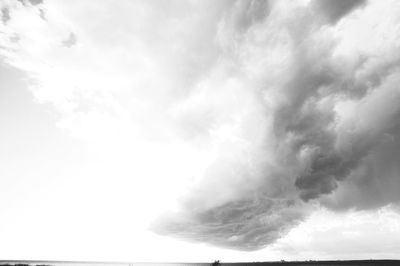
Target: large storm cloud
x=329 y=107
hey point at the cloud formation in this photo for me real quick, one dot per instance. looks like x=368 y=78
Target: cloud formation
x=293 y=103
x=328 y=117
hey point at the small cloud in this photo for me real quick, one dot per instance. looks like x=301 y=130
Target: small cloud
x=71 y=41
x=15 y=38
x=5 y=15
x=42 y=14
x=32 y=2
x=35 y=2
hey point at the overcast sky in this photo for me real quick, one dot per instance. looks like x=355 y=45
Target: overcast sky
x=199 y=130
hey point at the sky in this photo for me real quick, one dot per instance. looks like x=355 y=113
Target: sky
x=199 y=130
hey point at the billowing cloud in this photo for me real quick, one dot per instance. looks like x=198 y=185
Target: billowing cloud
x=327 y=119
x=279 y=109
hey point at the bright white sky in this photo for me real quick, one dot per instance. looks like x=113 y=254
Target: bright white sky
x=113 y=113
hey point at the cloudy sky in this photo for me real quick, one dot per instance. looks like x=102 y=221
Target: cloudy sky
x=199 y=130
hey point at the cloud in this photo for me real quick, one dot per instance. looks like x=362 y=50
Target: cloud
x=335 y=10
x=247 y=224
x=244 y=14
x=269 y=109
x=36 y=2
x=318 y=235
x=324 y=152
x=5 y=14
x=375 y=144
x=71 y=41
x=32 y=2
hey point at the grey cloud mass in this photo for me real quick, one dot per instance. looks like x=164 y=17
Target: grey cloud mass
x=311 y=151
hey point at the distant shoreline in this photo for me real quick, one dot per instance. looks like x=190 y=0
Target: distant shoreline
x=267 y=263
